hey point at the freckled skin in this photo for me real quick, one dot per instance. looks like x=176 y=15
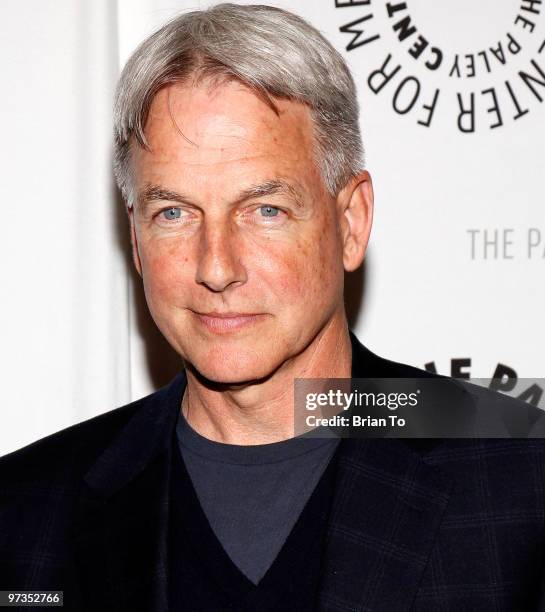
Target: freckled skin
x=223 y=255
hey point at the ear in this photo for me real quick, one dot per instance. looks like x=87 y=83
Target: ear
x=134 y=242
x=355 y=203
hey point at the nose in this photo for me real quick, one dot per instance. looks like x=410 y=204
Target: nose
x=220 y=254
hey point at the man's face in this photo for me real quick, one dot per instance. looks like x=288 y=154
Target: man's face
x=236 y=238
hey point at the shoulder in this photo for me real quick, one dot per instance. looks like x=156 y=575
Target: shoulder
x=502 y=421
x=365 y=363
x=68 y=453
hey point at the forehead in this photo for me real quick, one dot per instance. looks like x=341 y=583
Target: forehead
x=206 y=133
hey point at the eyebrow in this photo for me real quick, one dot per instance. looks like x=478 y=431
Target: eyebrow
x=267 y=188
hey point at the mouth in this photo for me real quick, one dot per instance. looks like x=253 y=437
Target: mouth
x=226 y=322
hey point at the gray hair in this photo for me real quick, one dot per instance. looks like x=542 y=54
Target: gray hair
x=274 y=52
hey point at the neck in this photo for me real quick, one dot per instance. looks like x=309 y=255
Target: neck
x=263 y=412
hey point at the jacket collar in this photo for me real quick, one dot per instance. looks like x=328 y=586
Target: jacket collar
x=149 y=432
x=386 y=510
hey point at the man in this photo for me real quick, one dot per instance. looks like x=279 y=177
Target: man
x=239 y=157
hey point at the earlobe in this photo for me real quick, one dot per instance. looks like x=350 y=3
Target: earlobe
x=134 y=242
x=358 y=218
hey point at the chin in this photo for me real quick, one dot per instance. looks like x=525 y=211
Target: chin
x=223 y=366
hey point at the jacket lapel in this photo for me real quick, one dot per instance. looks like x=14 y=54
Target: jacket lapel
x=386 y=511
x=120 y=532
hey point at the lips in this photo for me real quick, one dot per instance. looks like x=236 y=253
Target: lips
x=227 y=315
x=226 y=322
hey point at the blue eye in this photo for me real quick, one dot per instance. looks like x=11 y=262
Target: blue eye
x=171 y=213
x=269 y=211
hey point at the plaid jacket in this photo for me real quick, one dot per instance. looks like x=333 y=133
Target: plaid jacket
x=421 y=525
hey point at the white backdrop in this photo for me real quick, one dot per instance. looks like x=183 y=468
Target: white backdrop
x=456 y=263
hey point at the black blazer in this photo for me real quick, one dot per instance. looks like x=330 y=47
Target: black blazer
x=422 y=525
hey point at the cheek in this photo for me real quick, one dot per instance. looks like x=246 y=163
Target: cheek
x=322 y=252
x=165 y=269
x=291 y=281
x=308 y=272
